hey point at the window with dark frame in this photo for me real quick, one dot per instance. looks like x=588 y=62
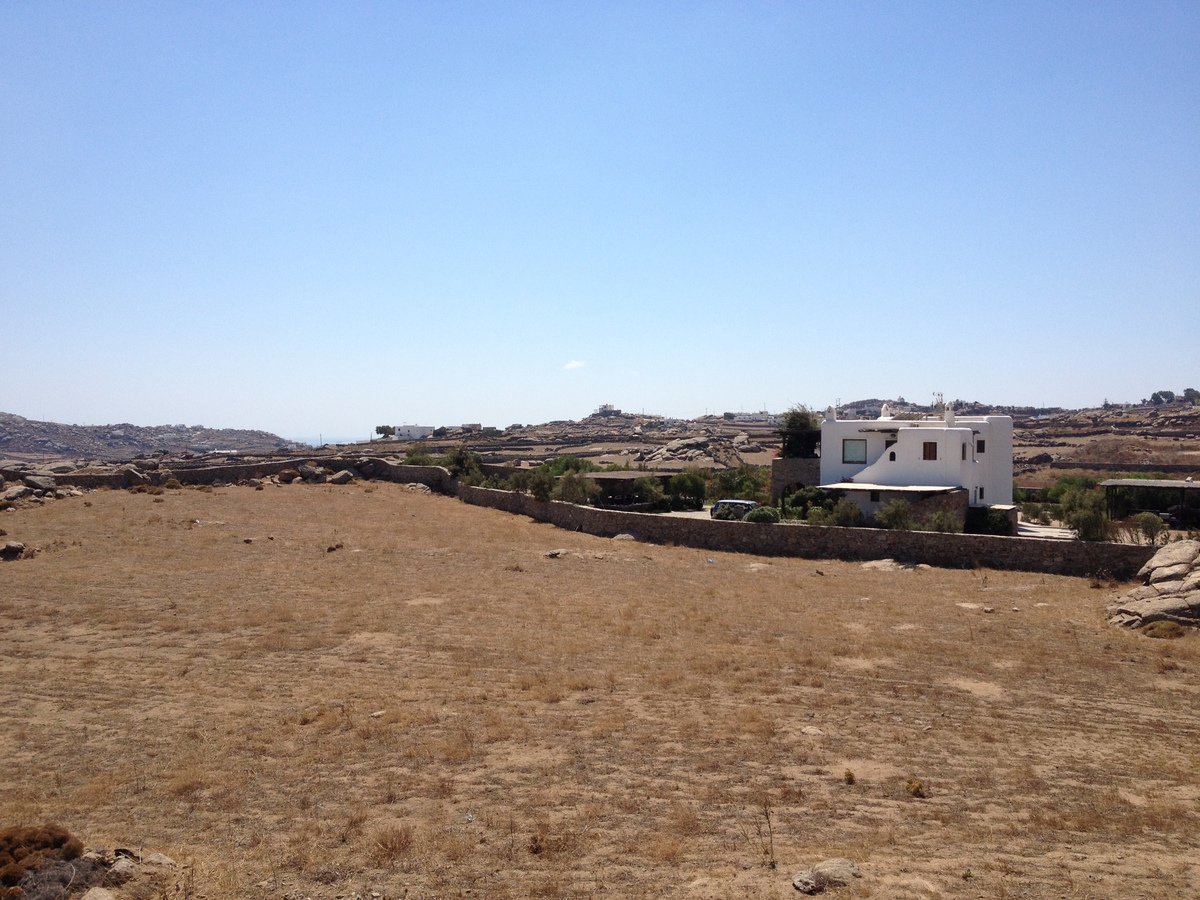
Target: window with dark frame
x=964 y=451
x=979 y=445
x=854 y=450
x=874 y=496
x=981 y=493
x=930 y=451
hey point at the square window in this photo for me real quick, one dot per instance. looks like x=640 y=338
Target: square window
x=874 y=496
x=930 y=451
x=854 y=450
x=979 y=445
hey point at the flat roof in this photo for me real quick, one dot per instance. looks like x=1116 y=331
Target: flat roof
x=902 y=488
x=1175 y=484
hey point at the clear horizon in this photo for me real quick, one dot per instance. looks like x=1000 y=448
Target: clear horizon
x=314 y=218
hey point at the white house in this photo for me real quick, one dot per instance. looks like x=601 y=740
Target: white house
x=875 y=460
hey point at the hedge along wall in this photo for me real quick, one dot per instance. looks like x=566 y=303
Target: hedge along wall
x=950 y=551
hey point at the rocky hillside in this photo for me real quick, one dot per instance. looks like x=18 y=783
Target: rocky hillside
x=26 y=437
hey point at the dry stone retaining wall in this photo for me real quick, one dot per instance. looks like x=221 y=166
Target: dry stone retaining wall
x=1078 y=558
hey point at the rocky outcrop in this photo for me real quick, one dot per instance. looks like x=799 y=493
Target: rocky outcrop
x=1170 y=589
x=837 y=872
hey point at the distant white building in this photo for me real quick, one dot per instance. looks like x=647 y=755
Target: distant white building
x=413 y=432
x=874 y=460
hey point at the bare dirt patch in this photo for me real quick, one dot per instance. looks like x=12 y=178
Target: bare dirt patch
x=285 y=720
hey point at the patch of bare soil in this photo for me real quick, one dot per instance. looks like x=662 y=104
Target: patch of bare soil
x=435 y=707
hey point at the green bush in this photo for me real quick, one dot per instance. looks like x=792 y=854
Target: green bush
x=541 y=483
x=1084 y=511
x=575 y=487
x=415 y=457
x=689 y=487
x=648 y=489
x=560 y=465
x=1150 y=525
x=895 y=515
x=846 y=514
x=818 y=515
x=746 y=482
x=985 y=520
x=942 y=521
x=463 y=463
x=800 y=432
x=762 y=515
x=728 y=514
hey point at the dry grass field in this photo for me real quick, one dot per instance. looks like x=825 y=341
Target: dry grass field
x=435 y=708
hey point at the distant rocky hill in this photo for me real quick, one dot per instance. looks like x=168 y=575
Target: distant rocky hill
x=23 y=437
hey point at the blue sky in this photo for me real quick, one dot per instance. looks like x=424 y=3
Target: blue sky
x=319 y=217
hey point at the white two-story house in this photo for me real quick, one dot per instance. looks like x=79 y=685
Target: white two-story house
x=877 y=460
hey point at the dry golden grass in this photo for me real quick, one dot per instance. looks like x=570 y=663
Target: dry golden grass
x=437 y=706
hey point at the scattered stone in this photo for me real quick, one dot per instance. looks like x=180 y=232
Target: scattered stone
x=16 y=493
x=345 y=476
x=158 y=859
x=837 y=872
x=12 y=550
x=287 y=476
x=557 y=554
x=121 y=871
x=989 y=609
x=812 y=731
x=624 y=536
x=417 y=488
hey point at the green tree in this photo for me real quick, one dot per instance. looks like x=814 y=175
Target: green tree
x=1083 y=510
x=463 y=463
x=1150 y=525
x=1191 y=395
x=689 y=487
x=385 y=430
x=541 y=483
x=575 y=487
x=648 y=490
x=416 y=457
x=799 y=432
x=560 y=465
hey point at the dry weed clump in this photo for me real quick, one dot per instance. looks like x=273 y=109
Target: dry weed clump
x=26 y=850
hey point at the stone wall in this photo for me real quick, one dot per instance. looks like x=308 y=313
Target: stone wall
x=794 y=470
x=1078 y=558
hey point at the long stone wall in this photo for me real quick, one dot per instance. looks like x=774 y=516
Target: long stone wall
x=1078 y=558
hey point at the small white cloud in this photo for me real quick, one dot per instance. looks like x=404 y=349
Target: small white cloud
x=575 y=364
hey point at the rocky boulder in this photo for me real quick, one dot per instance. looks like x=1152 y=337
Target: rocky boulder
x=830 y=873
x=40 y=482
x=1170 y=590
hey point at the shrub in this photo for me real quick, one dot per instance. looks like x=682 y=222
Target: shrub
x=846 y=514
x=689 y=487
x=463 y=463
x=172 y=484
x=1164 y=630
x=762 y=515
x=1150 y=525
x=895 y=515
x=415 y=457
x=818 y=515
x=648 y=490
x=574 y=487
x=541 y=483
x=728 y=514
x=1083 y=510
x=800 y=432
x=562 y=464
x=942 y=521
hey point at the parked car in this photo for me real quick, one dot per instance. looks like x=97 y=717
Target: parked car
x=731 y=509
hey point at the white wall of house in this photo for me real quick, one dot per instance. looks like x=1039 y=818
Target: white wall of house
x=972 y=452
x=413 y=432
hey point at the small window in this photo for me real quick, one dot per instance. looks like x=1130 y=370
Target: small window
x=979 y=445
x=930 y=450
x=892 y=456
x=981 y=493
x=964 y=450
x=874 y=496
x=854 y=450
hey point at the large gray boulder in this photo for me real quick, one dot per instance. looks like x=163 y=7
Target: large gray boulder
x=1170 y=592
x=40 y=482
x=837 y=872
